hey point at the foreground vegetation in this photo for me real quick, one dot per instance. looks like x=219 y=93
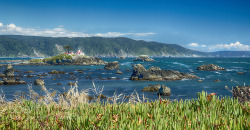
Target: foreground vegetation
x=72 y=110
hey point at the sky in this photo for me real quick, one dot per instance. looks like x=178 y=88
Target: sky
x=203 y=25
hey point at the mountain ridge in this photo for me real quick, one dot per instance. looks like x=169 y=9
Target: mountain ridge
x=37 y=46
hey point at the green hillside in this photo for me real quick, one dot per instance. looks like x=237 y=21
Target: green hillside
x=24 y=46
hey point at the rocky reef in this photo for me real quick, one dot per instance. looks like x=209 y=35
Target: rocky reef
x=66 y=60
x=156 y=74
x=8 y=76
x=143 y=58
x=210 y=67
x=112 y=65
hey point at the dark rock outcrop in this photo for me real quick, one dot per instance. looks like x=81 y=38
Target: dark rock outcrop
x=156 y=74
x=8 y=77
x=39 y=82
x=143 y=58
x=210 y=67
x=164 y=90
x=56 y=72
x=152 y=87
x=112 y=65
x=87 y=61
x=29 y=72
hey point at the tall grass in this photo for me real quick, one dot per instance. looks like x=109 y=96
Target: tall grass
x=73 y=110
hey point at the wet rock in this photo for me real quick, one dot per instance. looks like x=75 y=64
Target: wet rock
x=53 y=79
x=17 y=79
x=118 y=72
x=127 y=70
x=12 y=81
x=42 y=75
x=39 y=82
x=240 y=73
x=56 y=72
x=152 y=87
x=217 y=80
x=200 y=80
x=156 y=74
x=164 y=90
x=71 y=73
x=112 y=65
x=210 y=67
x=71 y=83
x=30 y=76
x=59 y=84
x=9 y=71
x=29 y=72
x=143 y=58
x=1 y=65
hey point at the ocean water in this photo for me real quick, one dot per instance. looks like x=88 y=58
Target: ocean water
x=182 y=89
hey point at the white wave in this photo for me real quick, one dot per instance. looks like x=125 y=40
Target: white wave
x=177 y=63
x=126 y=63
x=200 y=61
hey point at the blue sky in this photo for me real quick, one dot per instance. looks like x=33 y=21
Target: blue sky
x=206 y=25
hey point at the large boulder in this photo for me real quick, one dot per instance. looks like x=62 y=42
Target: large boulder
x=164 y=90
x=39 y=82
x=210 y=67
x=152 y=87
x=112 y=65
x=83 y=60
x=121 y=58
x=9 y=71
x=143 y=58
x=156 y=74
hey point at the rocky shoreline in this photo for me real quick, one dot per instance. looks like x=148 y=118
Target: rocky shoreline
x=156 y=74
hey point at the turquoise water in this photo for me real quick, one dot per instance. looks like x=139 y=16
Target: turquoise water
x=182 y=89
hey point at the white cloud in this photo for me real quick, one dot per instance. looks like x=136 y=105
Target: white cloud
x=230 y=47
x=12 y=29
x=203 y=45
x=194 y=44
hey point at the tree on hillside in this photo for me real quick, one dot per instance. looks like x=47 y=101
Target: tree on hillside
x=67 y=48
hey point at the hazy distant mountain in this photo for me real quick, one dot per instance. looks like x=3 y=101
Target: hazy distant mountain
x=30 y=46
x=231 y=54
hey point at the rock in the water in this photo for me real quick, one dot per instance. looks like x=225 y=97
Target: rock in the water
x=56 y=72
x=118 y=72
x=78 y=60
x=156 y=74
x=12 y=81
x=112 y=65
x=2 y=75
x=29 y=72
x=152 y=87
x=9 y=71
x=210 y=67
x=1 y=82
x=121 y=58
x=217 y=80
x=143 y=58
x=71 y=83
x=39 y=82
x=242 y=93
x=59 y=84
x=164 y=90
